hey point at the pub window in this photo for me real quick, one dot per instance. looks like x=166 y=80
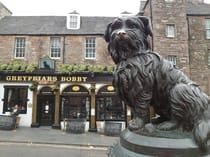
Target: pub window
x=90 y=48
x=108 y=105
x=170 y=30
x=55 y=47
x=75 y=107
x=20 y=47
x=15 y=96
x=75 y=103
x=110 y=108
x=207 y=28
x=209 y=57
x=172 y=59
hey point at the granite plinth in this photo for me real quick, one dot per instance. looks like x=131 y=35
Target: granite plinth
x=133 y=144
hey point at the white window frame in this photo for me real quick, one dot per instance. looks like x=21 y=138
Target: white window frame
x=170 y=30
x=208 y=57
x=90 y=48
x=55 y=47
x=20 y=47
x=172 y=59
x=73 y=21
x=207 y=28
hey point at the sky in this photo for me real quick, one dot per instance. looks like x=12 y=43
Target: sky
x=62 y=7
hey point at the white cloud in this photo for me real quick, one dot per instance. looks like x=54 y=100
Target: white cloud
x=62 y=7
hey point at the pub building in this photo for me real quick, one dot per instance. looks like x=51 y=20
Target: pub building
x=53 y=99
x=50 y=69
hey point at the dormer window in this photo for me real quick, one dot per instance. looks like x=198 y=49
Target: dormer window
x=73 y=20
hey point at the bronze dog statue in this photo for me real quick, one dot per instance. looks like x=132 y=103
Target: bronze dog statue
x=143 y=78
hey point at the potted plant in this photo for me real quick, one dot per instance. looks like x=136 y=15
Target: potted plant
x=55 y=88
x=92 y=89
x=33 y=87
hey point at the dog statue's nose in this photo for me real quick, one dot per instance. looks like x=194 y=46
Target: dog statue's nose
x=121 y=32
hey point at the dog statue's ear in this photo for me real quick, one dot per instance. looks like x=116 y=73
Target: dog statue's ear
x=107 y=32
x=147 y=24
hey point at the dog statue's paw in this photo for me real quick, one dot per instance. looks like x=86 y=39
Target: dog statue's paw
x=135 y=124
x=168 y=125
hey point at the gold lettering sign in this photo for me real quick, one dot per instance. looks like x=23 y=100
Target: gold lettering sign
x=44 y=79
x=73 y=79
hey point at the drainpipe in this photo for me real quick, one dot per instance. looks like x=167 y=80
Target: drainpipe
x=64 y=49
x=151 y=18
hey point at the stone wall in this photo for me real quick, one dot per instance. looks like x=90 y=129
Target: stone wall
x=198 y=48
x=189 y=43
x=165 y=13
x=73 y=50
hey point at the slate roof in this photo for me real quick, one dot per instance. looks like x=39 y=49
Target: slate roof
x=51 y=25
x=200 y=9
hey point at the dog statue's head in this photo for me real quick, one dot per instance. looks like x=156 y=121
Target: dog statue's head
x=128 y=36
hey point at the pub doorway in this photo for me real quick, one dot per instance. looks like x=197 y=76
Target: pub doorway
x=45 y=107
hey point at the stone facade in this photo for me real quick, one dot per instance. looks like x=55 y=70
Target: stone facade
x=73 y=49
x=188 y=45
x=198 y=49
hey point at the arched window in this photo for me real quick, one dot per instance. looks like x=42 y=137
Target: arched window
x=108 y=105
x=75 y=103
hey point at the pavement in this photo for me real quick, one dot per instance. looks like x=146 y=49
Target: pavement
x=47 y=135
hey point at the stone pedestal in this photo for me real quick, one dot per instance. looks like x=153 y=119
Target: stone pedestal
x=135 y=145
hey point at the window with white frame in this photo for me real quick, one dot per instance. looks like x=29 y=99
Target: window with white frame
x=207 y=28
x=15 y=97
x=55 y=47
x=90 y=48
x=209 y=57
x=172 y=59
x=170 y=30
x=73 y=21
x=20 y=45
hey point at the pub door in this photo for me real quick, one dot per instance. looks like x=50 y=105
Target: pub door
x=46 y=109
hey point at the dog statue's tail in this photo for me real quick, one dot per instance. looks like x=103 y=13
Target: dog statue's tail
x=194 y=105
x=201 y=131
